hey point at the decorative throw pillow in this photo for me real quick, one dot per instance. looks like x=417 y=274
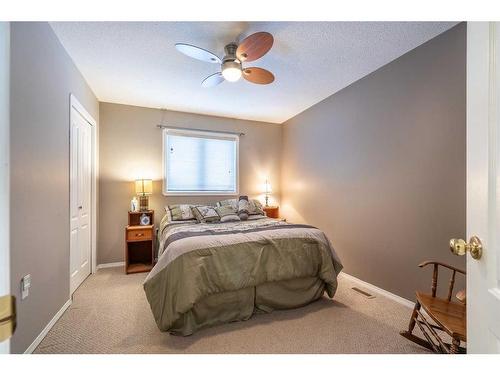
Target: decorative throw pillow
x=243 y=207
x=205 y=214
x=227 y=213
x=255 y=207
x=180 y=212
x=229 y=202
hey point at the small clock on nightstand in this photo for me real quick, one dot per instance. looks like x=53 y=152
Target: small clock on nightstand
x=272 y=211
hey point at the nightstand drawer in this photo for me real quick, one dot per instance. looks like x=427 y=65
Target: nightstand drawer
x=139 y=234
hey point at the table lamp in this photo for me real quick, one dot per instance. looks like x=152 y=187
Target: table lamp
x=144 y=188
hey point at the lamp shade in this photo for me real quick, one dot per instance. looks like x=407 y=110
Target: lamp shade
x=144 y=187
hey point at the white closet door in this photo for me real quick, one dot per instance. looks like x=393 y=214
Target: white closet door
x=80 y=199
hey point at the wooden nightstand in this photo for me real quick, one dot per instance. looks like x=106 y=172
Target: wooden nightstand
x=272 y=211
x=139 y=244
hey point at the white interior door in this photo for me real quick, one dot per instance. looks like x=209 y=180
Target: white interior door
x=4 y=166
x=483 y=185
x=80 y=198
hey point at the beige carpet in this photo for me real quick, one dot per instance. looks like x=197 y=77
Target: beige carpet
x=110 y=314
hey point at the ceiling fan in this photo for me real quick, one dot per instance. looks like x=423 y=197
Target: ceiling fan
x=251 y=48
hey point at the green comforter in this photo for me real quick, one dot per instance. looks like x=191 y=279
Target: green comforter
x=212 y=273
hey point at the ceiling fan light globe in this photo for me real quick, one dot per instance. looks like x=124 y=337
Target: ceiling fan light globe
x=231 y=69
x=231 y=74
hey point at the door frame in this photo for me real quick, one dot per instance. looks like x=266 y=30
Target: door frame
x=75 y=104
x=5 y=167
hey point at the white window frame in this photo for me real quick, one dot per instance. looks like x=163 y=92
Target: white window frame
x=207 y=134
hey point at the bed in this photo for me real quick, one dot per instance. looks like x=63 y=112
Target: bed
x=213 y=273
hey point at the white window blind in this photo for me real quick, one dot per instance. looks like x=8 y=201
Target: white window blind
x=199 y=163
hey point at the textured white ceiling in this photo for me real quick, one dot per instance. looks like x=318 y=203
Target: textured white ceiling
x=136 y=63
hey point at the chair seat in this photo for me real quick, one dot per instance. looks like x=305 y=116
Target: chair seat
x=450 y=316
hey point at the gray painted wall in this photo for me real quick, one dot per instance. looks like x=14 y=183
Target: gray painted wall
x=42 y=78
x=380 y=166
x=131 y=148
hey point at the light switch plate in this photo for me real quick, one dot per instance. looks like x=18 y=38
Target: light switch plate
x=25 y=286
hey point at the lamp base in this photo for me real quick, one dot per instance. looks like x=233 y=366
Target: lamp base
x=143 y=203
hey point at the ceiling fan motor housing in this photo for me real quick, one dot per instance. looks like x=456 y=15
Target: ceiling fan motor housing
x=230 y=50
x=230 y=60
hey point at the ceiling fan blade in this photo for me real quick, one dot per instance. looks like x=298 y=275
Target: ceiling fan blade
x=213 y=80
x=258 y=75
x=197 y=53
x=254 y=46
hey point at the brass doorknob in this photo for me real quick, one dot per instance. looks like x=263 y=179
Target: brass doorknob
x=460 y=247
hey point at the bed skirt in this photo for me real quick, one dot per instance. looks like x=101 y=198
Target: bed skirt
x=242 y=304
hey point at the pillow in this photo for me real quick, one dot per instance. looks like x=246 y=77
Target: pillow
x=167 y=219
x=255 y=207
x=243 y=207
x=205 y=214
x=227 y=213
x=229 y=202
x=179 y=212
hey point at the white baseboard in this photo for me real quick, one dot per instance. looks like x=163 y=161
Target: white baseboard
x=109 y=265
x=376 y=289
x=47 y=328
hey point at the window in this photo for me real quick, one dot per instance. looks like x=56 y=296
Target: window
x=197 y=162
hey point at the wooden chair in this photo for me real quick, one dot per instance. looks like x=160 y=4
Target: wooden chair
x=446 y=316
